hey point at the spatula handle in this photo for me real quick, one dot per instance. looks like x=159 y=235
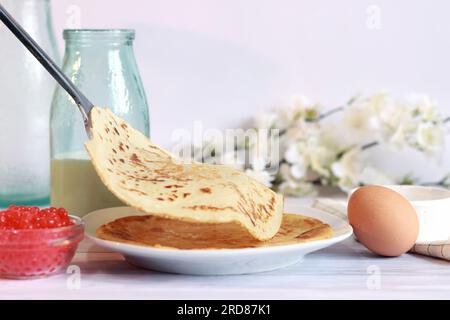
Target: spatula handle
x=83 y=103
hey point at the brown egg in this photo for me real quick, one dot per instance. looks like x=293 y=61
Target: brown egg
x=383 y=220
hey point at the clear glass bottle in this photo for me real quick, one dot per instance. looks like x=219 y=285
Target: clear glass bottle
x=102 y=64
x=26 y=91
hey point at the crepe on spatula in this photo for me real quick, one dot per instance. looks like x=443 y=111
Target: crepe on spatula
x=156 y=232
x=148 y=178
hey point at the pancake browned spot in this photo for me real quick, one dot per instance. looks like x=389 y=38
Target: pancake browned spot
x=206 y=190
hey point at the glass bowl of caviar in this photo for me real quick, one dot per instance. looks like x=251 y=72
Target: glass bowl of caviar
x=36 y=243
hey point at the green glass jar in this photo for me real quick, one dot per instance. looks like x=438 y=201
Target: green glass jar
x=102 y=64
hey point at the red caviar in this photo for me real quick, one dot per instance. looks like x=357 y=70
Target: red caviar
x=29 y=218
x=35 y=242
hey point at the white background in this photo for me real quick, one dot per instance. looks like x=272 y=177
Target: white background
x=221 y=61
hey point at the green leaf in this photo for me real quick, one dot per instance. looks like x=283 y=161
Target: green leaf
x=409 y=180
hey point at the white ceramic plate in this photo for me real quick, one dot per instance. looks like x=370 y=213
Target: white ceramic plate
x=215 y=262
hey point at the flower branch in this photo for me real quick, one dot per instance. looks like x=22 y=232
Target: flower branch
x=370 y=145
x=332 y=153
x=329 y=114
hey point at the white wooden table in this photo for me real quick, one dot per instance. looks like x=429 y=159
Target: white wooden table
x=346 y=270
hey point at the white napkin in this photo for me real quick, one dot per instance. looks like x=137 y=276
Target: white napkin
x=437 y=249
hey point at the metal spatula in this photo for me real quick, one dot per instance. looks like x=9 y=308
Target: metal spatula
x=84 y=105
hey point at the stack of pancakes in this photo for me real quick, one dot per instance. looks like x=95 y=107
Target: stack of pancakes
x=187 y=205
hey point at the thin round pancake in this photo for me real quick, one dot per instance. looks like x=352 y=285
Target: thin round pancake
x=149 y=179
x=153 y=231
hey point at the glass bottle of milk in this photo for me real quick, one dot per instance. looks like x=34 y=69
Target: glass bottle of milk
x=26 y=91
x=102 y=64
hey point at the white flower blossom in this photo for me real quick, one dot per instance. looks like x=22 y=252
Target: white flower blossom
x=352 y=171
x=415 y=123
x=424 y=107
x=263 y=176
x=397 y=123
x=347 y=170
x=299 y=110
x=234 y=159
x=360 y=121
x=430 y=137
x=260 y=172
x=292 y=185
x=378 y=102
